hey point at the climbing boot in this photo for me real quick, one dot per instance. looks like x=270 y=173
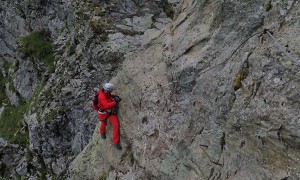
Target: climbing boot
x=103 y=136
x=118 y=146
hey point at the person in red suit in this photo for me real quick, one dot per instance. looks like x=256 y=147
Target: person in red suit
x=107 y=110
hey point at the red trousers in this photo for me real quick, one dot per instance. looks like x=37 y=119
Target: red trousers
x=113 y=118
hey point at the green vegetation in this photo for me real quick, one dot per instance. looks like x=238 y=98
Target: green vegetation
x=267 y=5
x=35 y=45
x=131 y=158
x=11 y=118
x=250 y=52
x=42 y=169
x=11 y=85
x=20 y=11
x=130 y=32
x=98 y=11
x=11 y=122
x=3 y=97
x=104 y=36
x=168 y=8
x=53 y=113
x=4 y=80
x=80 y=14
x=68 y=44
x=36 y=97
x=103 y=176
x=106 y=173
x=288 y=63
x=90 y=66
x=28 y=155
x=99 y=28
x=153 y=20
x=7 y=65
x=48 y=94
x=50 y=116
x=241 y=75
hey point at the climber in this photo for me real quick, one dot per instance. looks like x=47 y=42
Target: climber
x=107 y=104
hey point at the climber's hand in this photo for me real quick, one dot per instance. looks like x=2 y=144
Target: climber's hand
x=117 y=99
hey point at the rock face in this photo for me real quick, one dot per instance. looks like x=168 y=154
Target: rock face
x=212 y=93
x=190 y=119
x=11 y=157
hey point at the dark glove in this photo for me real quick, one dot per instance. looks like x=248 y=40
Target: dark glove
x=117 y=98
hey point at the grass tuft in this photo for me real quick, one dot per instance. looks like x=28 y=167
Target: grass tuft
x=36 y=45
x=11 y=118
x=267 y=5
x=168 y=8
x=11 y=123
x=3 y=97
x=241 y=75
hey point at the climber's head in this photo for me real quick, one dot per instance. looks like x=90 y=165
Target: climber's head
x=108 y=87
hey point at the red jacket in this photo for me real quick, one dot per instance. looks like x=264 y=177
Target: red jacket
x=105 y=101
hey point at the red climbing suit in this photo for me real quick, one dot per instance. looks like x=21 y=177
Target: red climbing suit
x=106 y=103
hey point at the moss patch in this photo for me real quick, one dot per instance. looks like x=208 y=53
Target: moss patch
x=28 y=155
x=3 y=97
x=11 y=118
x=50 y=116
x=36 y=45
x=43 y=169
x=7 y=65
x=267 y=5
x=11 y=122
x=168 y=8
x=241 y=75
x=130 y=32
x=99 y=28
x=103 y=176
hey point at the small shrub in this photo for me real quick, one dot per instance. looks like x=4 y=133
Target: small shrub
x=7 y=65
x=80 y=14
x=49 y=95
x=20 y=11
x=96 y=26
x=241 y=75
x=99 y=28
x=250 y=52
x=130 y=32
x=90 y=66
x=98 y=11
x=267 y=5
x=104 y=36
x=168 y=8
x=35 y=45
x=49 y=118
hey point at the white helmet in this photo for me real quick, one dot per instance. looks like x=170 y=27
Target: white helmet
x=108 y=87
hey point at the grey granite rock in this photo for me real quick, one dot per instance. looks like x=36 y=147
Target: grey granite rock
x=206 y=95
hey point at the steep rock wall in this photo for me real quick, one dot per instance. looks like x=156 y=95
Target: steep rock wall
x=90 y=40
x=210 y=97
